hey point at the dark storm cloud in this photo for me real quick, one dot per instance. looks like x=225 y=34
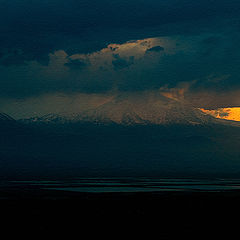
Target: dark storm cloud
x=77 y=64
x=155 y=49
x=42 y=26
x=54 y=45
x=120 y=63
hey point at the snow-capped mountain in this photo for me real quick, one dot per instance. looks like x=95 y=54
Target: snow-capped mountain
x=7 y=122
x=136 y=108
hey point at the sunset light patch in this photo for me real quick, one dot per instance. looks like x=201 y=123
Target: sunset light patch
x=224 y=113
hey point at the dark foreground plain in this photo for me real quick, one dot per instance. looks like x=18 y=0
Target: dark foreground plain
x=163 y=215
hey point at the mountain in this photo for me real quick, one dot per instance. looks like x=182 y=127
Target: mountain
x=4 y=118
x=136 y=109
x=196 y=146
x=137 y=135
x=6 y=123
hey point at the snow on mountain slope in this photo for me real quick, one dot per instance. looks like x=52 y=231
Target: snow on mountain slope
x=139 y=108
x=5 y=118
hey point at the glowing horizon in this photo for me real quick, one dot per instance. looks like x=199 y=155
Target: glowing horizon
x=231 y=113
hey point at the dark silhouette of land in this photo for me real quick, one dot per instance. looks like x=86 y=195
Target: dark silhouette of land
x=166 y=215
x=39 y=151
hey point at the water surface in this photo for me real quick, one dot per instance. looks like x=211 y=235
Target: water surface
x=101 y=185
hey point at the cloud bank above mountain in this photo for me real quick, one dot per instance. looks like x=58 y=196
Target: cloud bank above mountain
x=102 y=48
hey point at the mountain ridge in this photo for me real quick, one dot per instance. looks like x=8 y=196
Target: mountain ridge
x=153 y=109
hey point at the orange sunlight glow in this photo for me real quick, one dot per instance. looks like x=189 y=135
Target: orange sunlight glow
x=224 y=113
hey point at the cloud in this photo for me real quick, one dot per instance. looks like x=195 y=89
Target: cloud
x=92 y=72
x=40 y=27
x=120 y=63
x=76 y=64
x=137 y=65
x=213 y=99
x=155 y=49
x=188 y=50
